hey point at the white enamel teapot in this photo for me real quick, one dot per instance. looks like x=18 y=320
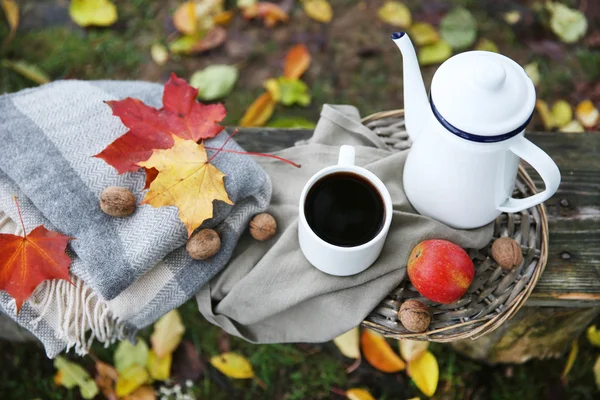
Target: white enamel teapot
x=468 y=137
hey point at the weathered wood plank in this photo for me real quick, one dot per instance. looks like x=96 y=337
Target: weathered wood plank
x=572 y=276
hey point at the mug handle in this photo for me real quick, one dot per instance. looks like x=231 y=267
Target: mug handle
x=544 y=165
x=346 y=156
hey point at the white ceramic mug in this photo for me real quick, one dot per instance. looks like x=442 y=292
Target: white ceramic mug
x=337 y=260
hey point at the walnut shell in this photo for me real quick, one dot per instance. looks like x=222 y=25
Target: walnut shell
x=507 y=253
x=117 y=201
x=263 y=227
x=414 y=316
x=203 y=244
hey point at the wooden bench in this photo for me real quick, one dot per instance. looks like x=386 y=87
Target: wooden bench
x=567 y=297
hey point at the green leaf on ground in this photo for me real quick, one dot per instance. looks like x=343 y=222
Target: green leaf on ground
x=459 y=28
x=288 y=91
x=93 y=12
x=423 y=34
x=297 y=122
x=70 y=375
x=395 y=13
x=214 y=81
x=29 y=71
x=568 y=24
x=486 y=45
x=128 y=354
x=435 y=53
x=533 y=71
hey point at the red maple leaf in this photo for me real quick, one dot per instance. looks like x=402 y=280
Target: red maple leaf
x=151 y=129
x=27 y=261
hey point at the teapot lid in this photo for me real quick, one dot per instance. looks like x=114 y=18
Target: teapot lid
x=482 y=96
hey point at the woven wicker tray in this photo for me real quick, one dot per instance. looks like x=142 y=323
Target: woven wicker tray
x=495 y=295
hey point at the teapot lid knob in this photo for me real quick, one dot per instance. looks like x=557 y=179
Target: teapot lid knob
x=490 y=75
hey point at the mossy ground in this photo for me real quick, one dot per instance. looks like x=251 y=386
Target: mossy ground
x=353 y=62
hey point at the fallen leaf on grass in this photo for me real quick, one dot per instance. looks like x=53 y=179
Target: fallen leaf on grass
x=29 y=71
x=142 y=393
x=545 y=115
x=223 y=18
x=184 y=18
x=297 y=122
x=533 y=71
x=168 y=331
x=93 y=12
x=130 y=379
x=561 y=113
x=359 y=394
x=348 y=343
x=319 y=10
x=593 y=335
x=486 y=45
x=151 y=129
x=270 y=13
x=572 y=127
x=597 y=372
x=70 y=375
x=159 y=53
x=434 y=53
x=259 y=111
x=106 y=376
x=424 y=372
x=186 y=180
x=395 y=13
x=11 y=11
x=459 y=28
x=214 y=81
x=127 y=354
x=587 y=114
x=233 y=365
x=297 y=61
x=568 y=24
x=423 y=34
x=199 y=44
x=159 y=367
x=379 y=353
x=570 y=360
x=410 y=350
x=26 y=261
x=512 y=17
x=288 y=91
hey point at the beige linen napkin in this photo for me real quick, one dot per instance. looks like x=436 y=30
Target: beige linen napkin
x=269 y=293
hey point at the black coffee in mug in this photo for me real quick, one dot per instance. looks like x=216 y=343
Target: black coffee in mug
x=344 y=209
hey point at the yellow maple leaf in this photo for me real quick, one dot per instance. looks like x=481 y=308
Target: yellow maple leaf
x=187 y=181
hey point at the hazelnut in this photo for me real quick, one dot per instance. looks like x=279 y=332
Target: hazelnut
x=203 y=244
x=263 y=226
x=117 y=201
x=414 y=316
x=507 y=253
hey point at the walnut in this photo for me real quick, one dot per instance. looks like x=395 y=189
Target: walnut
x=507 y=253
x=263 y=226
x=414 y=316
x=117 y=201
x=203 y=244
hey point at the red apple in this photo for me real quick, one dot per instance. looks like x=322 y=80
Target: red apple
x=440 y=270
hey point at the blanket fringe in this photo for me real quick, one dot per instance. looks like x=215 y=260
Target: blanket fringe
x=82 y=315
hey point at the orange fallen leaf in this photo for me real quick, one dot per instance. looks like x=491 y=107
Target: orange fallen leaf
x=142 y=393
x=223 y=18
x=187 y=180
x=27 y=261
x=379 y=353
x=587 y=114
x=106 y=376
x=259 y=112
x=184 y=18
x=359 y=394
x=297 y=62
x=270 y=13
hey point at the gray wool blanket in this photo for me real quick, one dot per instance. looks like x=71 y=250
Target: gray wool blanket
x=127 y=271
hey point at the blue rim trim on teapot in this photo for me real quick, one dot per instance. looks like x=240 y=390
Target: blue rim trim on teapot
x=472 y=137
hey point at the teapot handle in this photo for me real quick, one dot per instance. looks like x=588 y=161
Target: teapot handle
x=544 y=165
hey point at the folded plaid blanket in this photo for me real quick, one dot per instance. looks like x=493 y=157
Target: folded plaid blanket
x=127 y=271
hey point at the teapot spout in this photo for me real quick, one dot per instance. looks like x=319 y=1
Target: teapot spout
x=416 y=106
